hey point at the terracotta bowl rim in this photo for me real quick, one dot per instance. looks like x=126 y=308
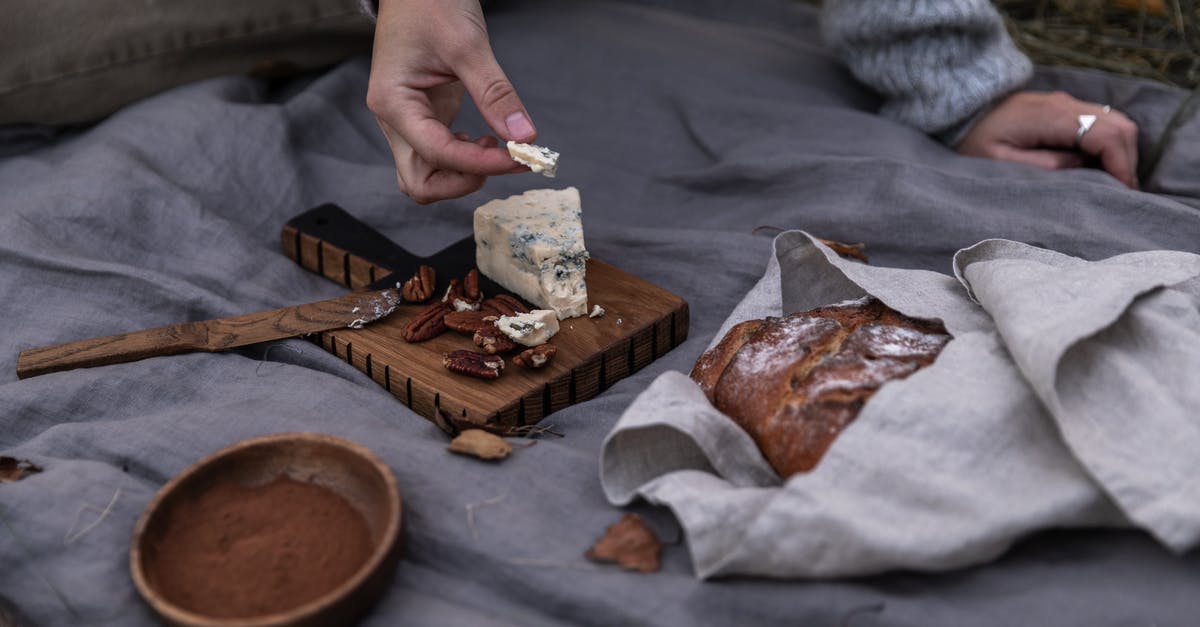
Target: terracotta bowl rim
x=181 y=616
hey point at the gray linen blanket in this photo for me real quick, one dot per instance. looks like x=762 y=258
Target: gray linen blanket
x=684 y=128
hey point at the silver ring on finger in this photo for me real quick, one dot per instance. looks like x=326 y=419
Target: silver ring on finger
x=1085 y=124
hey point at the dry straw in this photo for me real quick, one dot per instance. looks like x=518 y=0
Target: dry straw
x=1157 y=39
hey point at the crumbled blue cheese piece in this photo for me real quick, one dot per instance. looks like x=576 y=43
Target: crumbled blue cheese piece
x=530 y=329
x=538 y=159
x=379 y=306
x=459 y=304
x=532 y=244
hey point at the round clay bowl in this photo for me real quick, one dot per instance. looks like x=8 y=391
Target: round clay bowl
x=349 y=470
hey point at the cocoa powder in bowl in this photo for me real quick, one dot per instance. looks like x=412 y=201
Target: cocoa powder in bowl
x=306 y=526
x=237 y=551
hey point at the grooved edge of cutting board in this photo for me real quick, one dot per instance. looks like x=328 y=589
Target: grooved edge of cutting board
x=642 y=322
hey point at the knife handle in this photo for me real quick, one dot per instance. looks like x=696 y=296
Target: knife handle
x=113 y=349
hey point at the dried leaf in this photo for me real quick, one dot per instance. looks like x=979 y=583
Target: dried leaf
x=848 y=251
x=481 y=444
x=629 y=543
x=13 y=469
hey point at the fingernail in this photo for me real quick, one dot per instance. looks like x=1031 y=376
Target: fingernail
x=519 y=126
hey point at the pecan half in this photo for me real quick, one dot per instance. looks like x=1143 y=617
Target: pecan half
x=536 y=357
x=492 y=340
x=473 y=364
x=513 y=302
x=469 y=321
x=426 y=325
x=471 y=286
x=420 y=287
x=505 y=304
x=464 y=295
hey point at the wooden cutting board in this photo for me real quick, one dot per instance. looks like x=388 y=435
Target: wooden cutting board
x=641 y=322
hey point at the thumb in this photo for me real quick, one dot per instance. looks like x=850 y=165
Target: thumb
x=496 y=98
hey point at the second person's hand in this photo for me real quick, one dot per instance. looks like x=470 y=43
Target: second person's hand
x=426 y=54
x=1043 y=129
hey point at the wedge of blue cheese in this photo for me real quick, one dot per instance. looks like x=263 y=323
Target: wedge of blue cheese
x=532 y=244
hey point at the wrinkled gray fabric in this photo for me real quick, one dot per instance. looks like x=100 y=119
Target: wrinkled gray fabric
x=952 y=464
x=1112 y=349
x=684 y=130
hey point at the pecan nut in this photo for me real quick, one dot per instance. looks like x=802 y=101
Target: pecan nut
x=505 y=305
x=420 y=287
x=513 y=302
x=473 y=364
x=492 y=340
x=489 y=307
x=471 y=286
x=427 y=325
x=457 y=294
x=536 y=357
x=469 y=321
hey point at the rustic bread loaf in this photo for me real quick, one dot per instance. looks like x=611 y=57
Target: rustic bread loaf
x=793 y=383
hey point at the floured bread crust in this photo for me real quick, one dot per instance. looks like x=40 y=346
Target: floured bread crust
x=793 y=383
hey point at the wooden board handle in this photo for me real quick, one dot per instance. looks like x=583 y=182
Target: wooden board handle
x=113 y=349
x=329 y=241
x=334 y=244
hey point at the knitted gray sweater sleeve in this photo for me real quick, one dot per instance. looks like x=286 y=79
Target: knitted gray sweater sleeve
x=938 y=63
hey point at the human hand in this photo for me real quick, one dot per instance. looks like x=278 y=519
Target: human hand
x=1040 y=129
x=426 y=53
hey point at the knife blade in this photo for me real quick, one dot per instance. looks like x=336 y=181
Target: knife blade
x=351 y=310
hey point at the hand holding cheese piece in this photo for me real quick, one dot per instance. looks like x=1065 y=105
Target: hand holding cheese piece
x=532 y=244
x=427 y=55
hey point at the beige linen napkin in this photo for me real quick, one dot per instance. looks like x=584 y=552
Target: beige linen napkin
x=950 y=466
